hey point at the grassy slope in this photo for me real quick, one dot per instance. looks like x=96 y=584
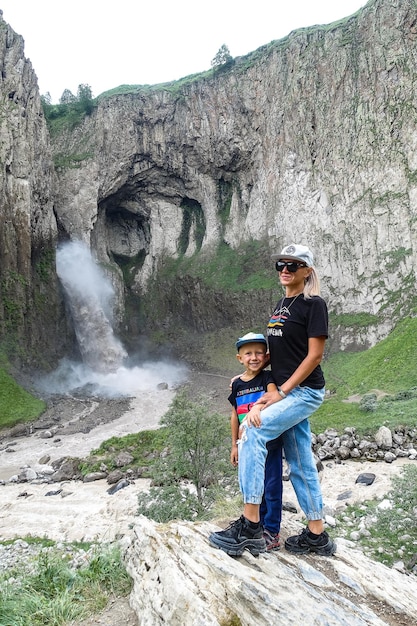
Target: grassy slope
x=389 y=367
x=391 y=364
x=16 y=404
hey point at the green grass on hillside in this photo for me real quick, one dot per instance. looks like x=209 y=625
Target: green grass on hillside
x=247 y=268
x=391 y=365
x=144 y=446
x=390 y=412
x=389 y=369
x=16 y=404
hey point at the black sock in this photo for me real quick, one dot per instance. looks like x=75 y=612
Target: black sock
x=252 y=524
x=313 y=535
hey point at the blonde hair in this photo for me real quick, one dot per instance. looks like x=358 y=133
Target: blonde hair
x=312 y=284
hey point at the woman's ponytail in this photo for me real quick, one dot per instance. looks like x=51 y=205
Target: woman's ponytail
x=312 y=284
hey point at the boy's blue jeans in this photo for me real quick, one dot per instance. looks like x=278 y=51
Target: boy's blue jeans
x=288 y=417
x=271 y=505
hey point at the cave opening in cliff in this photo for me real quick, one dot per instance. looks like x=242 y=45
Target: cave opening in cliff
x=193 y=220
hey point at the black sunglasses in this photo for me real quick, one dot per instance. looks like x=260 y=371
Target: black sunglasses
x=292 y=266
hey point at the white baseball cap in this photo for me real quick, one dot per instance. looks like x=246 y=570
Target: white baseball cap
x=296 y=252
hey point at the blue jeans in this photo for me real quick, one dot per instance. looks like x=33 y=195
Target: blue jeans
x=271 y=505
x=287 y=417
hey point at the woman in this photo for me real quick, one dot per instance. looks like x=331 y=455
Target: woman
x=297 y=332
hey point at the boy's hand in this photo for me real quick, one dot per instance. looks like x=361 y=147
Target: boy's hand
x=253 y=418
x=234 y=455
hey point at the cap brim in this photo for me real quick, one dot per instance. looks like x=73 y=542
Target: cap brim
x=279 y=257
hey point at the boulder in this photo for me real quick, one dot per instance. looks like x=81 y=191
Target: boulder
x=180 y=580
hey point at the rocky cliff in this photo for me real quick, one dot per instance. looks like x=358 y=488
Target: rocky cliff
x=32 y=324
x=311 y=138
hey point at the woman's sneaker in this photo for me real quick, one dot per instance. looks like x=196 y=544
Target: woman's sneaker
x=304 y=543
x=239 y=536
x=271 y=540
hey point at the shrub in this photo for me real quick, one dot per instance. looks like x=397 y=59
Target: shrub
x=368 y=403
x=169 y=502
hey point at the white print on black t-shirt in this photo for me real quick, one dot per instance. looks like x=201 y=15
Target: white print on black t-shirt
x=276 y=332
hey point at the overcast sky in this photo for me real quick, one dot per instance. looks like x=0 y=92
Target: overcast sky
x=105 y=44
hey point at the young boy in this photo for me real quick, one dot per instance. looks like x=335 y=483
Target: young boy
x=247 y=389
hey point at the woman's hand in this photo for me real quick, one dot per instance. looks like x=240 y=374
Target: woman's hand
x=270 y=397
x=234 y=455
x=232 y=380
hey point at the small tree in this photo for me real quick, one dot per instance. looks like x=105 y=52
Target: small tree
x=198 y=444
x=85 y=99
x=46 y=99
x=223 y=57
x=196 y=440
x=67 y=97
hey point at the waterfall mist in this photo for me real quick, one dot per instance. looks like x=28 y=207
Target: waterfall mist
x=105 y=370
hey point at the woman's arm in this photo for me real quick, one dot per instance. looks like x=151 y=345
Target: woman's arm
x=307 y=365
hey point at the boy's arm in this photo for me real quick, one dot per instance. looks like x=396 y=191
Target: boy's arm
x=234 y=425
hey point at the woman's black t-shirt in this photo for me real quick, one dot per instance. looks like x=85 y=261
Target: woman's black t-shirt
x=292 y=323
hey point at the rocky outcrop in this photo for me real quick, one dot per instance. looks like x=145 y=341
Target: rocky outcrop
x=310 y=138
x=180 y=580
x=31 y=314
x=385 y=445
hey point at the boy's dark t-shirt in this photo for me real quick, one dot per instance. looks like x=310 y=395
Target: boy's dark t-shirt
x=245 y=393
x=291 y=325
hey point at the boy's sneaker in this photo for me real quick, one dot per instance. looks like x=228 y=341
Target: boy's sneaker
x=304 y=544
x=239 y=536
x=271 y=540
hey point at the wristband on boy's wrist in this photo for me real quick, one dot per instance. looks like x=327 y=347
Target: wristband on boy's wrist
x=282 y=393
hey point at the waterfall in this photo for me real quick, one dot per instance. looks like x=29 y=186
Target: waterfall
x=106 y=370
x=90 y=296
